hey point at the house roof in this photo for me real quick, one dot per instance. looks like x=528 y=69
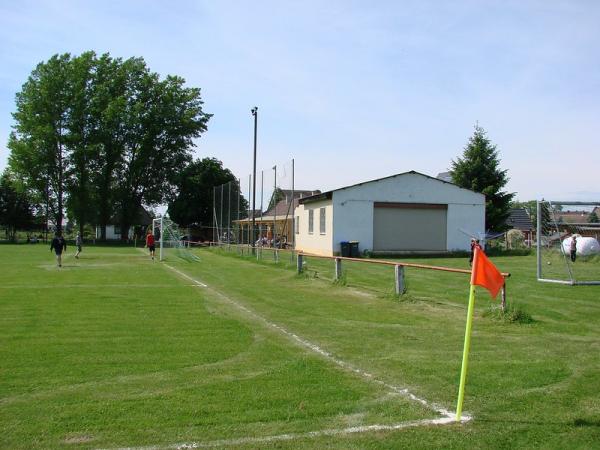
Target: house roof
x=445 y=176
x=328 y=195
x=141 y=217
x=283 y=207
x=519 y=219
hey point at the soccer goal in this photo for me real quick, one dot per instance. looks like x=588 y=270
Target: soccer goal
x=170 y=240
x=568 y=248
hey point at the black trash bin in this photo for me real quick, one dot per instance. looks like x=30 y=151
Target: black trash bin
x=345 y=248
x=354 y=249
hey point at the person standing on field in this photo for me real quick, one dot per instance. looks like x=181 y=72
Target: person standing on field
x=573 y=248
x=78 y=244
x=150 y=243
x=474 y=243
x=58 y=245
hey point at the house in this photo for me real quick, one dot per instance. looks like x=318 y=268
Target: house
x=141 y=221
x=519 y=219
x=277 y=222
x=406 y=213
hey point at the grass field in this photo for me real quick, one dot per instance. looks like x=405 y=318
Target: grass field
x=114 y=350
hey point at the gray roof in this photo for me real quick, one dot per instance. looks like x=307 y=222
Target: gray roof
x=445 y=176
x=329 y=194
x=519 y=219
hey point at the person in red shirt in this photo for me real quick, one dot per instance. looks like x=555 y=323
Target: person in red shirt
x=150 y=243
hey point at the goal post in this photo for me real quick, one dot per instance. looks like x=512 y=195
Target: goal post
x=170 y=240
x=567 y=242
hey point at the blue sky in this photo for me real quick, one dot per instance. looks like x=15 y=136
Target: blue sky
x=353 y=90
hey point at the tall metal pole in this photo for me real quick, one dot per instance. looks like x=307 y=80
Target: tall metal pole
x=228 y=215
x=539 y=239
x=262 y=188
x=293 y=212
x=275 y=204
x=249 y=187
x=239 y=194
x=255 y=114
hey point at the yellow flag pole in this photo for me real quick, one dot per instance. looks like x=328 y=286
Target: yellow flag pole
x=463 y=372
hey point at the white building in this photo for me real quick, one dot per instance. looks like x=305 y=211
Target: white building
x=408 y=212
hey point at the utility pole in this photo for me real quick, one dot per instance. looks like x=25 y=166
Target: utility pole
x=255 y=114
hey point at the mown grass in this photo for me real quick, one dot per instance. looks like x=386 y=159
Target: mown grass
x=115 y=350
x=529 y=385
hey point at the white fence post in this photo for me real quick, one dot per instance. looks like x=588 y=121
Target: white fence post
x=338 y=268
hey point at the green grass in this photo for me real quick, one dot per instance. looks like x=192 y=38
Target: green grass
x=114 y=350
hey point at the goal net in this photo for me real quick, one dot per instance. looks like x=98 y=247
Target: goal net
x=170 y=240
x=568 y=248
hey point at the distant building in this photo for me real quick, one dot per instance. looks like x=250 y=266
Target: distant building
x=140 y=223
x=519 y=219
x=445 y=176
x=277 y=222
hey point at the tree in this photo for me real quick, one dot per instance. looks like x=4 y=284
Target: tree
x=161 y=119
x=103 y=136
x=38 y=140
x=16 y=210
x=593 y=217
x=479 y=170
x=194 y=200
x=80 y=139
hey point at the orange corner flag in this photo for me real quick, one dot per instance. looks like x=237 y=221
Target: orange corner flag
x=485 y=274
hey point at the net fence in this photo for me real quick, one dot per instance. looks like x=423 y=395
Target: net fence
x=262 y=223
x=568 y=246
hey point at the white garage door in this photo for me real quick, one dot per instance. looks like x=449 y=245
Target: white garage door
x=409 y=226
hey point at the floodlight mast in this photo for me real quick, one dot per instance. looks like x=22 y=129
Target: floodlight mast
x=255 y=114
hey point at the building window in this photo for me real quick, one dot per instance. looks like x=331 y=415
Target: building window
x=311 y=217
x=117 y=230
x=297 y=225
x=322 y=220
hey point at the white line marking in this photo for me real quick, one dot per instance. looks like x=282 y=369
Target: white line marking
x=315 y=348
x=293 y=436
x=449 y=417
x=186 y=276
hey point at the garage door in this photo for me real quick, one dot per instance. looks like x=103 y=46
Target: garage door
x=409 y=226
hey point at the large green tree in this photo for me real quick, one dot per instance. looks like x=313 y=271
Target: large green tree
x=162 y=118
x=193 y=203
x=103 y=136
x=16 y=209
x=38 y=141
x=479 y=170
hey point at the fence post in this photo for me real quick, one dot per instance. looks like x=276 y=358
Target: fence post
x=399 y=273
x=338 y=268
x=300 y=262
x=503 y=302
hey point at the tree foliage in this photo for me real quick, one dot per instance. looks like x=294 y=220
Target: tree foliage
x=107 y=134
x=479 y=170
x=593 y=217
x=16 y=209
x=193 y=203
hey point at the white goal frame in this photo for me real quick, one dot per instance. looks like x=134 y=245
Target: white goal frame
x=539 y=244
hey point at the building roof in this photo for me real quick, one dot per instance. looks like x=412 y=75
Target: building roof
x=283 y=207
x=141 y=217
x=328 y=195
x=445 y=176
x=519 y=219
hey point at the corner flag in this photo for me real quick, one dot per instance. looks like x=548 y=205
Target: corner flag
x=484 y=274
